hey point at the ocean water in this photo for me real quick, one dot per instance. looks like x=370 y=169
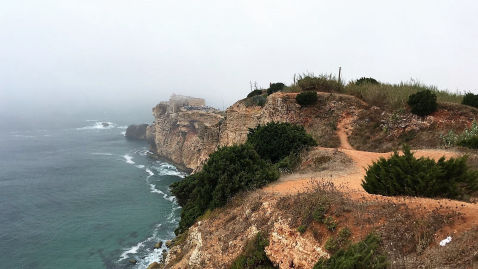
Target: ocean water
x=82 y=196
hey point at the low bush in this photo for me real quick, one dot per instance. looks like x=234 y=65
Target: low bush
x=330 y=223
x=253 y=255
x=423 y=103
x=323 y=83
x=365 y=254
x=275 y=141
x=335 y=243
x=470 y=99
x=364 y=80
x=306 y=98
x=407 y=175
x=257 y=100
x=255 y=93
x=471 y=142
x=275 y=87
x=228 y=171
x=465 y=138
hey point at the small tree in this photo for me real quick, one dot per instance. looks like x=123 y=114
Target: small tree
x=423 y=103
x=306 y=98
x=275 y=87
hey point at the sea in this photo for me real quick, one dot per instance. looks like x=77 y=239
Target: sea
x=81 y=195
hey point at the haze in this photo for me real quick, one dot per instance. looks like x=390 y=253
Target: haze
x=62 y=56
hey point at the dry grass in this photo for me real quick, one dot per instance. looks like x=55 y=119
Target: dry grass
x=407 y=234
x=395 y=96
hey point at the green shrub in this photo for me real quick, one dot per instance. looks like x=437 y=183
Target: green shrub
x=321 y=83
x=407 y=175
x=362 y=255
x=335 y=243
x=364 y=80
x=257 y=100
x=253 y=255
x=275 y=140
x=471 y=142
x=228 y=171
x=254 y=93
x=302 y=229
x=289 y=164
x=306 y=98
x=330 y=223
x=423 y=103
x=464 y=139
x=470 y=99
x=275 y=87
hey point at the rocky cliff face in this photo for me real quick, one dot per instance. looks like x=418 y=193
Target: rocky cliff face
x=185 y=131
x=186 y=134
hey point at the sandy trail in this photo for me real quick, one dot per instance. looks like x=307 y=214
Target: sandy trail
x=349 y=182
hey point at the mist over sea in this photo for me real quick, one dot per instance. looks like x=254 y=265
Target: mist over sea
x=74 y=193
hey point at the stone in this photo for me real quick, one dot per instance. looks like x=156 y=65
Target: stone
x=133 y=261
x=158 y=245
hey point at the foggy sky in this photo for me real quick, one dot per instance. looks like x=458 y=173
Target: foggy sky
x=66 y=54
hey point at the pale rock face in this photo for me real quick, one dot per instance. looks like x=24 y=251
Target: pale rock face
x=185 y=135
x=186 y=132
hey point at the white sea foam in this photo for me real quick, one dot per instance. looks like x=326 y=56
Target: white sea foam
x=165 y=196
x=153 y=255
x=165 y=169
x=101 y=153
x=132 y=250
x=122 y=127
x=99 y=125
x=123 y=133
x=149 y=172
x=140 y=166
x=129 y=159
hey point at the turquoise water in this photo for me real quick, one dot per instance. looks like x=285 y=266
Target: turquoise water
x=82 y=197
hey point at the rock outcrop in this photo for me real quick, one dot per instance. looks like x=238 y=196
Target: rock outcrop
x=137 y=132
x=185 y=131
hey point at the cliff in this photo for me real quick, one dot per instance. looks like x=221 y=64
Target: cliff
x=186 y=134
x=185 y=131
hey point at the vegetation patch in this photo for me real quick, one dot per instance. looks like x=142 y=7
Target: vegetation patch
x=395 y=96
x=253 y=255
x=275 y=87
x=228 y=171
x=254 y=93
x=468 y=138
x=470 y=99
x=307 y=98
x=322 y=83
x=423 y=103
x=275 y=141
x=364 y=254
x=256 y=100
x=364 y=80
x=335 y=243
x=406 y=175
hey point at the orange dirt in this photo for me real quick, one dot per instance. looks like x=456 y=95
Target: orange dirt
x=350 y=183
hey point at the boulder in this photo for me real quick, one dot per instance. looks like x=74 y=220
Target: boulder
x=137 y=132
x=159 y=244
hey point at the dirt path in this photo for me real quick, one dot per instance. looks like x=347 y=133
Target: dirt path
x=343 y=131
x=349 y=181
